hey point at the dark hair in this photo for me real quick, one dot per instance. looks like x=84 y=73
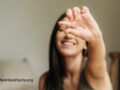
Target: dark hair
x=56 y=73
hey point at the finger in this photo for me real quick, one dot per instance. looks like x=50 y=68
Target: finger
x=69 y=14
x=88 y=18
x=79 y=33
x=84 y=9
x=67 y=24
x=76 y=11
x=80 y=21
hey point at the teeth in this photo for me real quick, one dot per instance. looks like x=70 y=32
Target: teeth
x=67 y=43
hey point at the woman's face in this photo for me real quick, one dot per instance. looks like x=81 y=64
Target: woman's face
x=68 y=44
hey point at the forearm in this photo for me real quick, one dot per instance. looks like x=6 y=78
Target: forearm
x=96 y=50
x=96 y=58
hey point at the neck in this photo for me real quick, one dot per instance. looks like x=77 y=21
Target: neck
x=73 y=65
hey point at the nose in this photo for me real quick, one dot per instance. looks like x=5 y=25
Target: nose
x=67 y=35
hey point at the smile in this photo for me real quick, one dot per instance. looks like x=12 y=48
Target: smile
x=68 y=43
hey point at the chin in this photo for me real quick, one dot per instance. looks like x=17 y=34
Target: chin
x=67 y=52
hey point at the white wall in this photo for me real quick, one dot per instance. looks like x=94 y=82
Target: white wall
x=26 y=25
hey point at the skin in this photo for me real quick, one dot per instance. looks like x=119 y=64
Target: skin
x=82 y=27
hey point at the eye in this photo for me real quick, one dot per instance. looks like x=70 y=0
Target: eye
x=60 y=29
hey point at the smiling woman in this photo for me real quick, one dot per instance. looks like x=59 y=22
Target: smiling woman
x=72 y=31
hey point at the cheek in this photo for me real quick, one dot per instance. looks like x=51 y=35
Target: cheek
x=80 y=43
x=59 y=37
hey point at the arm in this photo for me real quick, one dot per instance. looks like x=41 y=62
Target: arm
x=96 y=68
x=96 y=63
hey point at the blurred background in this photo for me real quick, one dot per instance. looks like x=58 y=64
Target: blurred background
x=26 y=26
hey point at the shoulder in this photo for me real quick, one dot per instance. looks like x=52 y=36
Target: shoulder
x=42 y=80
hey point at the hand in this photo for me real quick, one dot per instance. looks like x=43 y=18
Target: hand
x=82 y=24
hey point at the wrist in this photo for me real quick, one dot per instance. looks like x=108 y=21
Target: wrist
x=97 y=44
x=97 y=39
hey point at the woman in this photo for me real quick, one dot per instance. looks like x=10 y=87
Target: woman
x=71 y=33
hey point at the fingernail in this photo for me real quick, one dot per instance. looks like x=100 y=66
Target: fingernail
x=82 y=11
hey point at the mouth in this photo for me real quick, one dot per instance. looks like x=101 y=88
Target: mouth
x=67 y=43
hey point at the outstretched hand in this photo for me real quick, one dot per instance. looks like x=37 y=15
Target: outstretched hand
x=82 y=24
